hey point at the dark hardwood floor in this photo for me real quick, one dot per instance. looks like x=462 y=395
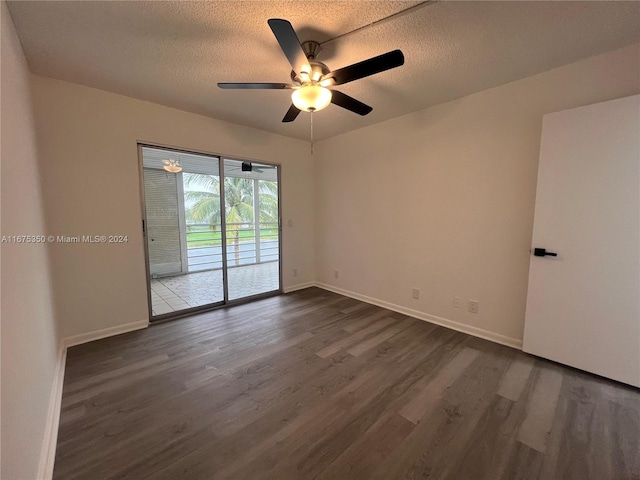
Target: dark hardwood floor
x=313 y=385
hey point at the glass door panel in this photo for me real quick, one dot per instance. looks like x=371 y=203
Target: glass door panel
x=252 y=228
x=183 y=231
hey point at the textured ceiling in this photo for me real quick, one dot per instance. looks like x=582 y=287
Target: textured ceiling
x=174 y=53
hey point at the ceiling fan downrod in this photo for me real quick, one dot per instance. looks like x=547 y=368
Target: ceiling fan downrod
x=311 y=49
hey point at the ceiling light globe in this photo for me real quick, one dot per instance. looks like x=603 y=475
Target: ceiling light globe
x=172 y=166
x=311 y=98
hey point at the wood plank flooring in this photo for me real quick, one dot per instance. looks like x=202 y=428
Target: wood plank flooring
x=313 y=385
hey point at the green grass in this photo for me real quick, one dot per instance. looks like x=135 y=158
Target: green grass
x=203 y=237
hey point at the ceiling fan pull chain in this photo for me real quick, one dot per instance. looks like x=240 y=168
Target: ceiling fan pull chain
x=311 y=116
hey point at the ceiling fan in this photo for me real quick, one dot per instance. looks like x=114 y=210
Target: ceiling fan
x=312 y=79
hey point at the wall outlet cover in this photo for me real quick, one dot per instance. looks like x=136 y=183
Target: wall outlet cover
x=474 y=306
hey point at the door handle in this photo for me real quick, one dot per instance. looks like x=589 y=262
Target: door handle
x=542 y=252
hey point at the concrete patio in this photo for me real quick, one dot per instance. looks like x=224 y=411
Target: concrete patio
x=170 y=294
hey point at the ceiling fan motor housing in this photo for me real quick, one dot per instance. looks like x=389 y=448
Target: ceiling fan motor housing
x=318 y=69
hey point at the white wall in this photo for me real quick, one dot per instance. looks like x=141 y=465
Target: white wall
x=442 y=199
x=29 y=338
x=88 y=142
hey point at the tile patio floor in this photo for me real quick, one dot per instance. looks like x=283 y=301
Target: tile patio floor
x=170 y=294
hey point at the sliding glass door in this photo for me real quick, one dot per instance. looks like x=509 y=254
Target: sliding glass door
x=212 y=230
x=252 y=225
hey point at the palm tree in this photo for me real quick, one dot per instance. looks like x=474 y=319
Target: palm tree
x=268 y=201
x=202 y=202
x=202 y=198
x=238 y=199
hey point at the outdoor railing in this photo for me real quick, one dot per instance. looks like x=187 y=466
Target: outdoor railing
x=247 y=243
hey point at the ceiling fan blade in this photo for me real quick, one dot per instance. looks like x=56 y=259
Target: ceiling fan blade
x=290 y=45
x=291 y=114
x=254 y=86
x=374 y=65
x=345 y=101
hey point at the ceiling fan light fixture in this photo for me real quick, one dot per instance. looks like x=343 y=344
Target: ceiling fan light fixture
x=172 y=166
x=311 y=98
x=327 y=82
x=304 y=76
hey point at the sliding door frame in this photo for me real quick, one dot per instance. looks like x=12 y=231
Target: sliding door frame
x=223 y=233
x=143 y=211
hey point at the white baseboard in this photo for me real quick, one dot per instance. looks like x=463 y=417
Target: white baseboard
x=48 y=453
x=443 y=322
x=104 y=333
x=299 y=286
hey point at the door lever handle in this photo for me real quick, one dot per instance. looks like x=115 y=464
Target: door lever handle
x=542 y=252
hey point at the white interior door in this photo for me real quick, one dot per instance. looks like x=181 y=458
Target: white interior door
x=583 y=305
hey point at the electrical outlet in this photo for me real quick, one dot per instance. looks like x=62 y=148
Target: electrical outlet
x=474 y=305
x=290 y=222
x=457 y=302
x=416 y=294
x=295 y=272
x=336 y=274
